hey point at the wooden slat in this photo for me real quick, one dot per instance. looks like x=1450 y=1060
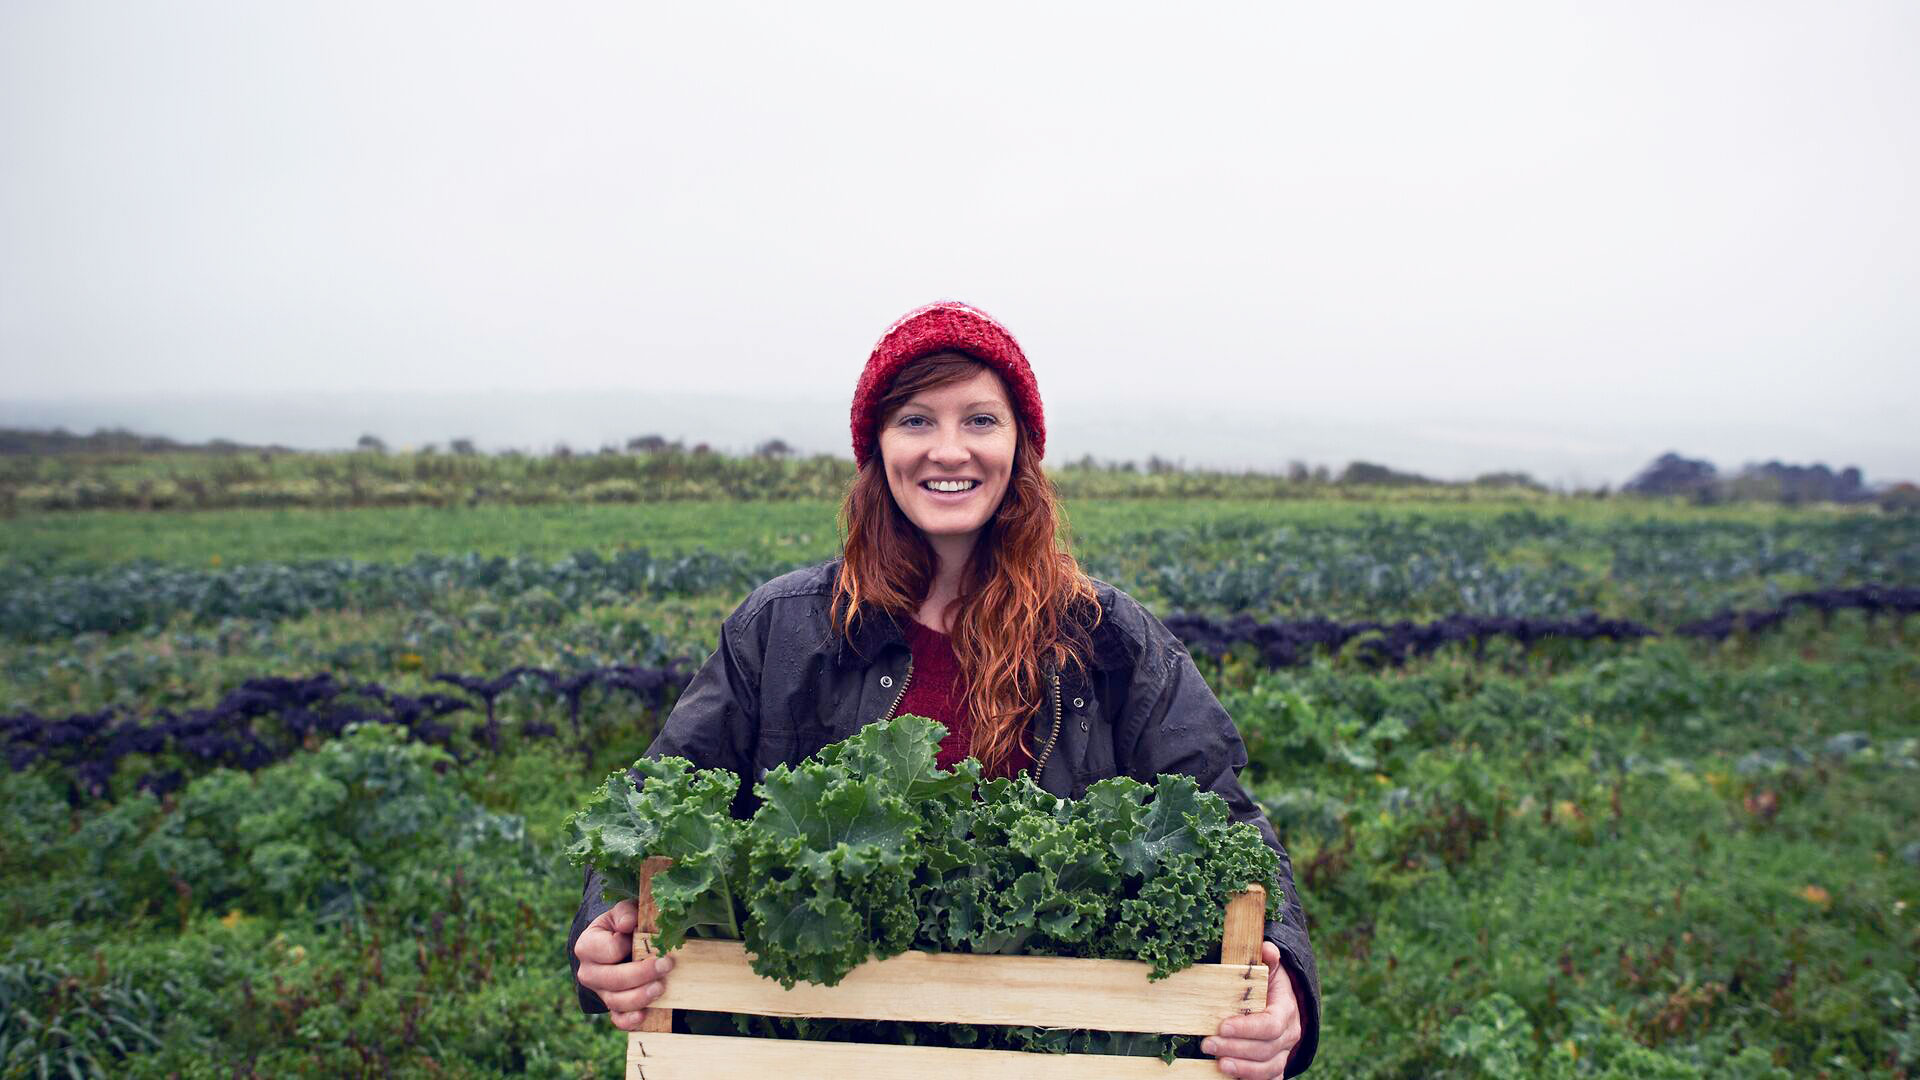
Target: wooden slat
x=955 y=988
x=1246 y=927
x=686 y=1057
x=657 y=1018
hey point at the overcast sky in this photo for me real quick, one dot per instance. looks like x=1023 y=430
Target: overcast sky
x=1537 y=227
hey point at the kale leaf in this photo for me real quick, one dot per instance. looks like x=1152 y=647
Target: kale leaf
x=834 y=848
x=678 y=812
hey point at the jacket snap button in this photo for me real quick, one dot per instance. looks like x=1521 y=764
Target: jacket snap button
x=886 y=680
x=1078 y=703
x=1084 y=725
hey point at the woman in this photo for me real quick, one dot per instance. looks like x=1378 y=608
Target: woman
x=952 y=600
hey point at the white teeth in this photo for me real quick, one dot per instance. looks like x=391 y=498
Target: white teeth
x=950 y=485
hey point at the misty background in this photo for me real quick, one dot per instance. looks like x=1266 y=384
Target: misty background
x=1552 y=237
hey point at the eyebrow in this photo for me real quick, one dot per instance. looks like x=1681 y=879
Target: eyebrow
x=969 y=405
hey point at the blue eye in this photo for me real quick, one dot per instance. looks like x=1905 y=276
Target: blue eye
x=988 y=417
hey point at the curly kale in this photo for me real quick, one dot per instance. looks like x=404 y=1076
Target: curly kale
x=834 y=848
x=869 y=848
x=679 y=813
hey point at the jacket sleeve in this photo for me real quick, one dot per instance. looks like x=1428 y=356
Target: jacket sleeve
x=714 y=725
x=1173 y=723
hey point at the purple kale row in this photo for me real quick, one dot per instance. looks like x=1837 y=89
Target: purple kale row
x=265 y=720
x=1285 y=643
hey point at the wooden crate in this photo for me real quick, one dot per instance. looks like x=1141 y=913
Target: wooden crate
x=954 y=988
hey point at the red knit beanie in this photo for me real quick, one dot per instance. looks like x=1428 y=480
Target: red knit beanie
x=945 y=326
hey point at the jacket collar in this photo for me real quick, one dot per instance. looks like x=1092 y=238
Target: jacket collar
x=873 y=632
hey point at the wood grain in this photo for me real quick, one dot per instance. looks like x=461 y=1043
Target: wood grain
x=956 y=988
x=1246 y=927
x=658 y=1018
x=684 y=1057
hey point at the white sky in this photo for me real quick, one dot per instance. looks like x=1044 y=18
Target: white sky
x=1644 y=225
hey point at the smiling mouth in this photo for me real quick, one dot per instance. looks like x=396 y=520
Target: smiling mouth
x=949 y=487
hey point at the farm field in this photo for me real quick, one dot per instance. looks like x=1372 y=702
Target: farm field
x=1528 y=847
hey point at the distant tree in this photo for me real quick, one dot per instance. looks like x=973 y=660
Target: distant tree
x=1159 y=466
x=646 y=444
x=1902 y=498
x=1322 y=475
x=562 y=452
x=1366 y=472
x=372 y=443
x=774 y=449
x=1795 y=484
x=1758 y=485
x=702 y=449
x=429 y=449
x=463 y=447
x=1671 y=474
x=1509 y=480
x=1297 y=472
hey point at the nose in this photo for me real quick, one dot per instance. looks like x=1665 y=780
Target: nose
x=948 y=451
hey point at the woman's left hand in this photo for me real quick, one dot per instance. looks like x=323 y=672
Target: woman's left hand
x=1258 y=1044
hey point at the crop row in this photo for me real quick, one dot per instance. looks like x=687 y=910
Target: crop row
x=1521 y=565
x=144 y=595
x=1290 y=643
x=1518 y=564
x=266 y=720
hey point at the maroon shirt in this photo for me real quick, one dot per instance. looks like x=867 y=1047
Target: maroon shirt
x=939 y=691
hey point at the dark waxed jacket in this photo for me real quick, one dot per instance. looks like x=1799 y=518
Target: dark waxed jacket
x=782 y=684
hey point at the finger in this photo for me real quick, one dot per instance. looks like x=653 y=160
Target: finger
x=613 y=978
x=621 y=918
x=1245 y=1050
x=626 y=916
x=626 y=1021
x=1253 y=1070
x=637 y=998
x=1262 y=1026
x=600 y=946
x=1279 y=982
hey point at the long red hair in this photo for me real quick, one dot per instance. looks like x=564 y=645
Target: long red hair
x=1025 y=607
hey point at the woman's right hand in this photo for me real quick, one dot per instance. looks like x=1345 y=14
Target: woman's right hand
x=627 y=986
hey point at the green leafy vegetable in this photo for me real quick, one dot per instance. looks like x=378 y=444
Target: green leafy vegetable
x=869 y=848
x=676 y=812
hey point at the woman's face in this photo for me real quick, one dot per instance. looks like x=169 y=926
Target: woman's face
x=961 y=431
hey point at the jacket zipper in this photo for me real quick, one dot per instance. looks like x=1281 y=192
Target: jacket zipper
x=1047 y=750
x=903 y=690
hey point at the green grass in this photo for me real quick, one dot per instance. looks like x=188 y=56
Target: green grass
x=197 y=538
x=805 y=528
